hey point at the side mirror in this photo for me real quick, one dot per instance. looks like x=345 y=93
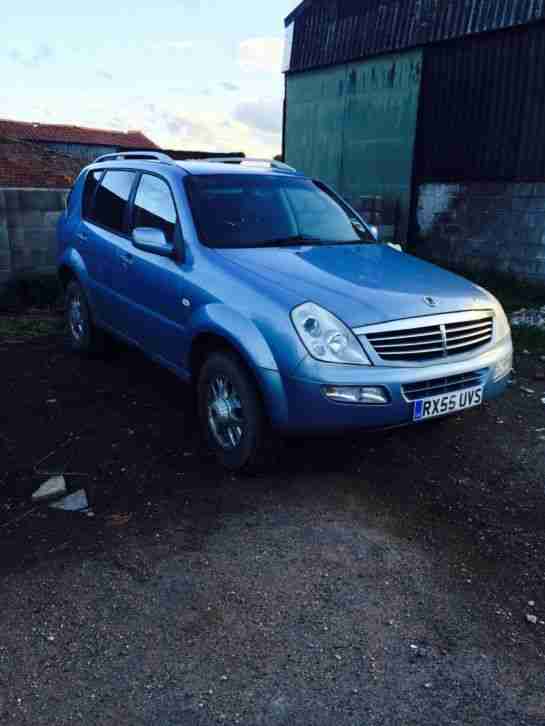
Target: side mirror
x=150 y=239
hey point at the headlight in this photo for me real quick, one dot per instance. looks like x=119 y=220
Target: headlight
x=326 y=338
x=503 y=328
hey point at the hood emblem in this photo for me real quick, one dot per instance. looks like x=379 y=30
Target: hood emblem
x=431 y=302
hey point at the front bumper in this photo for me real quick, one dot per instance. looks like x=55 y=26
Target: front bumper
x=305 y=408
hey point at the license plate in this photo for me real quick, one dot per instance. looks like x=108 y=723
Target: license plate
x=448 y=403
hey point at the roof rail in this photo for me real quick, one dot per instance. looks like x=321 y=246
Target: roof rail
x=243 y=159
x=135 y=156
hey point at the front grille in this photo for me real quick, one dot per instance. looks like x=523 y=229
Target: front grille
x=451 y=335
x=439 y=386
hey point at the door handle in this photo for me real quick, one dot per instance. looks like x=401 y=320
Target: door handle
x=81 y=236
x=127 y=259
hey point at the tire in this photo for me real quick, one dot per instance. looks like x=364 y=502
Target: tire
x=82 y=335
x=231 y=414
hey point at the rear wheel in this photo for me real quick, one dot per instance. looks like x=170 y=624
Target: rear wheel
x=83 y=336
x=231 y=413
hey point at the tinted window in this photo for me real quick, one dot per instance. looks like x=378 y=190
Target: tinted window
x=154 y=206
x=234 y=210
x=111 y=199
x=91 y=184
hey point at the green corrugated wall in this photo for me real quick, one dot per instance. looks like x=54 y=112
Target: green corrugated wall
x=353 y=126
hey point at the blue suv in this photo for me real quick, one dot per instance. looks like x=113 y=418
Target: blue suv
x=271 y=294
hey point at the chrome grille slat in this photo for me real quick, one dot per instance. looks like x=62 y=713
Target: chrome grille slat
x=449 y=384
x=475 y=334
x=385 y=346
x=403 y=353
x=431 y=337
x=456 y=327
x=482 y=339
x=402 y=337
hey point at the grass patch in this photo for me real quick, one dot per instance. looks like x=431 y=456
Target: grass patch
x=513 y=294
x=532 y=339
x=38 y=291
x=18 y=329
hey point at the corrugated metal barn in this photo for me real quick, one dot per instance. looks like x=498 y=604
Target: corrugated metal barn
x=429 y=114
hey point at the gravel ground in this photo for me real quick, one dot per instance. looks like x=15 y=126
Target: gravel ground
x=376 y=579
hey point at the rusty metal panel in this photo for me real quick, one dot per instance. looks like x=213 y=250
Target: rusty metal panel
x=379 y=130
x=354 y=127
x=328 y=32
x=482 y=108
x=314 y=123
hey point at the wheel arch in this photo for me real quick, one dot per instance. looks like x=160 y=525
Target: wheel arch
x=229 y=328
x=222 y=328
x=71 y=266
x=66 y=274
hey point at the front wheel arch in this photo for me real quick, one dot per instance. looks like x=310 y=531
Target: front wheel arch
x=206 y=345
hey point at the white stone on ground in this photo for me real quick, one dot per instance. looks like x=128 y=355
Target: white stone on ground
x=54 y=487
x=75 y=502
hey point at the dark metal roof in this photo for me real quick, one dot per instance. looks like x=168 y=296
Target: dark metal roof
x=498 y=136
x=327 y=32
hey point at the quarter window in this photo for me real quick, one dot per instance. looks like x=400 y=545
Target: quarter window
x=154 y=206
x=111 y=200
x=91 y=184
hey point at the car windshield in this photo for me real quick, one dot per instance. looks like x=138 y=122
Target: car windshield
x=249 y=210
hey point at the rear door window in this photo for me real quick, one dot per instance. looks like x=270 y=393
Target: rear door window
x=111 y=200
x=154 y=206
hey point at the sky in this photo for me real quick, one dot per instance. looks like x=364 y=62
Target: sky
x=191 y=74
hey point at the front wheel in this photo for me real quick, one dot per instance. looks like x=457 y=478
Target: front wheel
x=231 y=413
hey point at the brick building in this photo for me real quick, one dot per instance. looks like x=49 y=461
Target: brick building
x=34 y=182
x=78 y=141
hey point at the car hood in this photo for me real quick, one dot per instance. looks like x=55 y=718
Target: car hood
x=362 y=284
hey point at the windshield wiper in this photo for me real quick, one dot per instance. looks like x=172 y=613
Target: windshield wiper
x=294 y=240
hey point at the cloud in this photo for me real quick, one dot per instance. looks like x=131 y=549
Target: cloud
x=188 y=131
x=180 y=45
x=106 y=75
x=168 y=122
x=174 y=47
x=264 y=115
x=117 y=123
x=230 y=86
x=212 y=130
x=33 y=59
x=190 y=4
x=261 y=54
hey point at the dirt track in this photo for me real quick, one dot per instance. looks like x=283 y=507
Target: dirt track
x=383 y=579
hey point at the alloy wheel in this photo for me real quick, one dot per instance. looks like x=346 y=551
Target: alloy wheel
x=225 y=414
x=76 y=318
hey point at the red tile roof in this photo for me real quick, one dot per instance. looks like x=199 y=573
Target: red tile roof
x=26 y=165
x=59 y=133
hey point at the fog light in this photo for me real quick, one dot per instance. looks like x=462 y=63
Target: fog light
x=504 y=367
x=371 y=395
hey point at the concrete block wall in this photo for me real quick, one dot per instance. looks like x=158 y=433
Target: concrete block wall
x=496 y=226
x=28 y=220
